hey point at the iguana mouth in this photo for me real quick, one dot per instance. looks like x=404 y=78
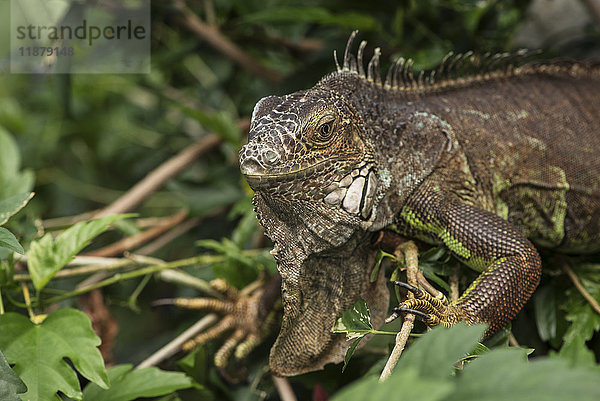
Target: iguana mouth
x=263 y=181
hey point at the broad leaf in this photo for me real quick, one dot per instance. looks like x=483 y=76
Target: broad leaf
x=10 y=384
x=38 y=352
x=406 y=385
x=503 y=374
x=434 y=355
x=128 y=384
x=12 y=205
x=48 y=255
x=9 y=241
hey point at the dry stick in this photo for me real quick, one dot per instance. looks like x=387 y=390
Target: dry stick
x=412 y=265
x=284 y=389
x=593 y=303
x=156 y=178
x=216 y=39
x=136 y=240
x=175 y=345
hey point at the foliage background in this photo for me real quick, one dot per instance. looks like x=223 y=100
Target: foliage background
x=84 y=140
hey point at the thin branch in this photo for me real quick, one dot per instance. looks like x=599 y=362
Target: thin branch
x=216 y=39
x=284 y=389
x=156 y=178
x=174 y=346
x=84 y=270
x=412 y=265
x=136 y=240
x=593 y=303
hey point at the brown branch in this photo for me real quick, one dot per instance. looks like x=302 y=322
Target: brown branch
x=174 y=346
x=410 y=251
x=156 y=178
x=188 y=19
x=136 y=240
x=284 y=389
x=593 y=303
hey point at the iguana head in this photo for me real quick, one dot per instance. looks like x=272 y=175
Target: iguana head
x=307 y=146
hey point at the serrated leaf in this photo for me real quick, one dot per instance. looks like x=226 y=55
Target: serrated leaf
x=503 y=374
x=47 y=255
x=9 y=241
x=38 y=352
x=10 y=206
x=10 y=383
x=128 y=384
x=434 y=354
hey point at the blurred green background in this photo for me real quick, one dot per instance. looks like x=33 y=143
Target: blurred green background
x=84 y=140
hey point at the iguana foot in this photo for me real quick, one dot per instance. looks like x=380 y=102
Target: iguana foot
x=245 y=314
x=432 y=310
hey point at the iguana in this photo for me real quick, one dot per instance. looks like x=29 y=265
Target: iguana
x=482 y=155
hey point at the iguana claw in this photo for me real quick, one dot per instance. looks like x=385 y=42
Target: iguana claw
x=432 y=310
x=244 y=313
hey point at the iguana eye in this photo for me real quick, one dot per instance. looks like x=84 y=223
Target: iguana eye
x=325 y=131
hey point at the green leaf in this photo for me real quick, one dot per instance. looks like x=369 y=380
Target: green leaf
x=12 y=205
x=12 y=180
x=10 y=384
x=38 y=352
x=404 y=385
x=546 y=311
x=504 y=374
x=350 y=352
x=128 y=384
x=434 y=354
x=355 y=322
x=8 y=240
x=47 y=255
x=584 y=320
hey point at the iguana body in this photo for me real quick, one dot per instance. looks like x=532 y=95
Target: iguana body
x=483 y=163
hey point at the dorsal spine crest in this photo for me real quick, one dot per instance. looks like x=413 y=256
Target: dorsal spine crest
x=455 y=70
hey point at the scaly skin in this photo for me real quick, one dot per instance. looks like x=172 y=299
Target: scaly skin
x=487 y=164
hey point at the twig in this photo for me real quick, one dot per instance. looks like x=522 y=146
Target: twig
x=593 y=303
x=453 y=280
x=83 y=270
x=169 y=236
x=133 y=241
x=216 y=39
x=411 y=258
x=174 y=346
x=203 y=259
x=284 y=389
x=512 y=340
x=156 y=178
x=179 y=277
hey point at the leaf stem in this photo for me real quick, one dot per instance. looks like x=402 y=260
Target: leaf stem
x=1 y=303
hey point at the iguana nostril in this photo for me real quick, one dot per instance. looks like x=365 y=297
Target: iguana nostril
x=271 y=157
x=250 y=166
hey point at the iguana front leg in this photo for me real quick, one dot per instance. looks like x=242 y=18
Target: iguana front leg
x=510 y=265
